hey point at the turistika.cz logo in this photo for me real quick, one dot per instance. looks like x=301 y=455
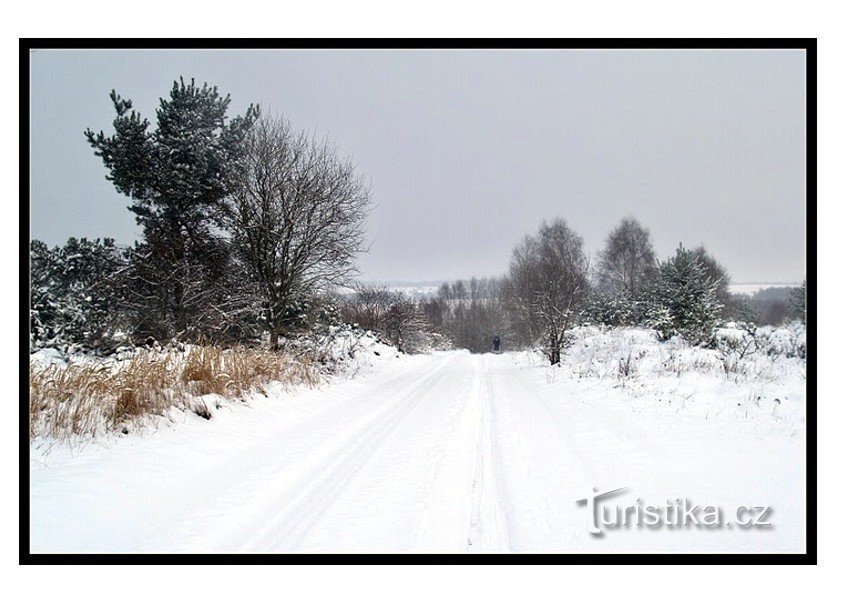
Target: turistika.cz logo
x=677 y=513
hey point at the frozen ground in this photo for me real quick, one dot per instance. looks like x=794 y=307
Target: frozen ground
x=447 y=452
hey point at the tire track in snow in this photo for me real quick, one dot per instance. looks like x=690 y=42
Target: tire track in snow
x=545 y=463
x=489 y=529
x=319 y=487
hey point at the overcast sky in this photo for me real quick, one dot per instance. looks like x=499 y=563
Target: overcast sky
x=466 y=152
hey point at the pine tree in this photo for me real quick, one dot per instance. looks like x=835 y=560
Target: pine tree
x=715 y=271
x=176 y=177
x=683 y=299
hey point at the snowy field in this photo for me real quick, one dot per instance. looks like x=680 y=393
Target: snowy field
x=451 y=452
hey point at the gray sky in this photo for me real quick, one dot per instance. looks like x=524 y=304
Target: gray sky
x=468 y=151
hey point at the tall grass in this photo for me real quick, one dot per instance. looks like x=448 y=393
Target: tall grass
x=90 y=397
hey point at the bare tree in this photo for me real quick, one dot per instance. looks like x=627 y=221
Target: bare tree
x=400 y=321
x=470 y=323
x=404 y=325
x=458 y=290
x=628 y=260
x=296 y=217
x=546 y=283
x=368 y=306
x=187 y=299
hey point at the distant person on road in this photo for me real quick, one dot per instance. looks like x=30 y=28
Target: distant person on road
x=496 y=342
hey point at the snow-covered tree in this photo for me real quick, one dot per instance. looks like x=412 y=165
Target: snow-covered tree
x=682 y=299
x=177 y=173
x=404 y=325
x=74 y=294
x=715 y=271
x=546 y=284
x=215 y=299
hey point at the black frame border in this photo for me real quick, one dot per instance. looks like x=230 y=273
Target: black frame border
x=26 y=45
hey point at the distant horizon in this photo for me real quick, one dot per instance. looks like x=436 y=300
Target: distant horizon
x=433 y=282
x=438 y=283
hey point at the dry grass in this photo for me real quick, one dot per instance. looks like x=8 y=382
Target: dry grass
x=86 y=398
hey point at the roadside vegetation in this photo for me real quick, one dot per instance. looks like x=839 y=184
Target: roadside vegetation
x=90 y=396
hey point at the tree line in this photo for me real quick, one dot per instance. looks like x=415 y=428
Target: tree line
x=552 y=285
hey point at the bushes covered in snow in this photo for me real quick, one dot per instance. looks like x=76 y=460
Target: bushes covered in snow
x=73 y=297
x=738 y=352
x=740 y=343
x=763 y=367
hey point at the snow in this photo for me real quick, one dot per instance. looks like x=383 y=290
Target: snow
x=448 y=452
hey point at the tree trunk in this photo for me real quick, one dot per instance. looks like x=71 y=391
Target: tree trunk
x=554 y=350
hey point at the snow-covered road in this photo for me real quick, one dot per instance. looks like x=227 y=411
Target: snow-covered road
x=447 y=452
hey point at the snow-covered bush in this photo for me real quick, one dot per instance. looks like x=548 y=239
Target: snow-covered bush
x=674 y=375
x=337 y=349
x=767 y=360
x=788 y=341
x=602 y=308
x=737 y=343
x=73 y=295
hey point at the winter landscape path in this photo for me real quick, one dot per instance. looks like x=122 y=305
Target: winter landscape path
x=448 y=452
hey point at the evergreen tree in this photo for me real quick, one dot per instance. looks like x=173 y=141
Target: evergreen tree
x=74 y=294
x=683 y=299
x=610 y=309
x=176 y=177
x=716 y=271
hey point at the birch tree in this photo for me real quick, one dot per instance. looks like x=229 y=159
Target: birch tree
x=628 y=261
x=547 y=282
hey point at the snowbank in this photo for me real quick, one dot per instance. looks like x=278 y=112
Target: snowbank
x=751 y=374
